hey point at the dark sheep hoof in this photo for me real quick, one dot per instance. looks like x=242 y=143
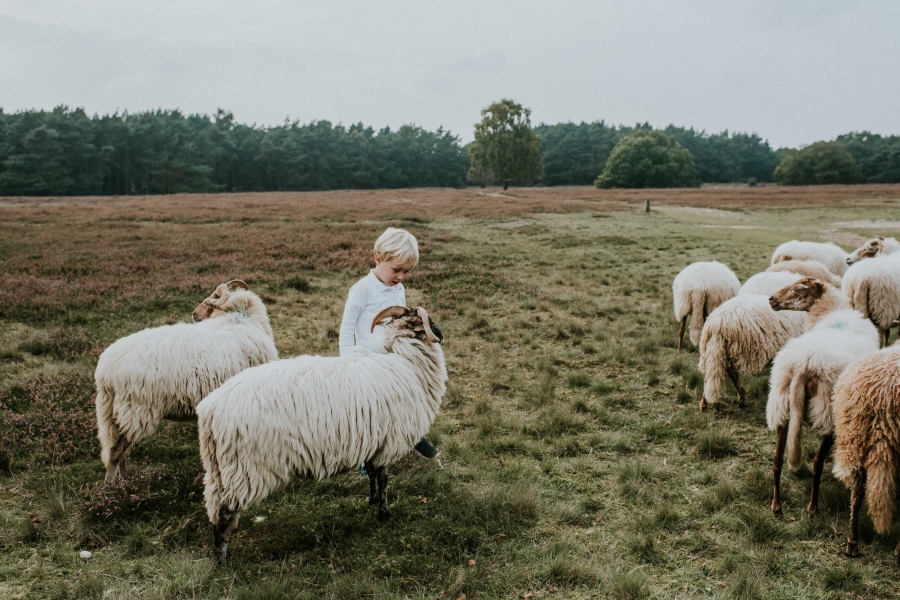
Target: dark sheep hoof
x=852 y=550
x=385 y=517
x=776 y=510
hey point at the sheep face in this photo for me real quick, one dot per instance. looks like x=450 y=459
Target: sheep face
x=800 y=295
x=870 y=249
x=209 y=308
x=410 y=322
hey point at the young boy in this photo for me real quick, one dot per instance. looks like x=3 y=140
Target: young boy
x=396 y=253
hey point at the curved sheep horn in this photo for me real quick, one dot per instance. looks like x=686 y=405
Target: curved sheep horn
x=392 y=312
x=236 y=284
x=426 y=322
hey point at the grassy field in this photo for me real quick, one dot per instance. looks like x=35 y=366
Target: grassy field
x=577 y=462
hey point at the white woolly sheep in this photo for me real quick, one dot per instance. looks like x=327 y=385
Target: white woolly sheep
x=698 y=290
x=873 y=288
x=830 y=255
x=766 y=283
x=877 y=246
x=867 y=449
x=805 y=370
x=807 y=268
x=318 y=416
x=739 y=338
x=164 y=372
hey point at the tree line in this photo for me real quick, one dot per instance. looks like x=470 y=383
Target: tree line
x=67 y=152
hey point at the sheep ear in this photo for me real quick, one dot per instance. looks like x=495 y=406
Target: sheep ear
x=879 y=237
x=391 y=312
x=235 y=285
x=800 y=288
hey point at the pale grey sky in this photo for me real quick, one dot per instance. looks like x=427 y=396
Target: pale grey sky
x=792 y=71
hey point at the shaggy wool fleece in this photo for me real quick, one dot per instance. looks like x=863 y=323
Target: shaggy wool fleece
x=811 y=364
x=829 y=254
x=317 y=416
x=746 y=333
x=807 y=268
x=766 y=283
x=166 y=371
x=873 y=288
x=699 y=289
x=867 y=430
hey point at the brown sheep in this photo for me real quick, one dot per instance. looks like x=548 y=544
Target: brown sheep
x=867 y=427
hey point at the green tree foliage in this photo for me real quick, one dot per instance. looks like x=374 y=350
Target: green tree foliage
x=817 y=164
x=649 y=159
x=576 y=154
x=877 y=156
x=726 y=158
x=506 y=144
x=65 y=152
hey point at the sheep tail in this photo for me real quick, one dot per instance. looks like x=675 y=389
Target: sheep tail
x=713 y=365
x=698 y=314
x=212 y=481
x=881 y=486
x=797 y=399
x=107 y=429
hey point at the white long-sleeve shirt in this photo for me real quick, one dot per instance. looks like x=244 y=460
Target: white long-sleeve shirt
x=366 y=299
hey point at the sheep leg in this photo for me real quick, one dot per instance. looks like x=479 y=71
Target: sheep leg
x=885 y=335
x=818 y=463
x=702 y=403
x=736 y=380
x=373 y=479
x=222 y=532
x=681 y=332
x=115 y=468
x=857 y=491
x=777 y=463
x=384 y=514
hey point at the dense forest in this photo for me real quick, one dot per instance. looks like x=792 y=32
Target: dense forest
x=67 y=152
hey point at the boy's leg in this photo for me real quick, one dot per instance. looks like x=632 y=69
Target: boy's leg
x=425 y=448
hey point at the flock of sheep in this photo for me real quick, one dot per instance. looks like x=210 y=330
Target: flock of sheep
x=818 y=314
x=262 y=420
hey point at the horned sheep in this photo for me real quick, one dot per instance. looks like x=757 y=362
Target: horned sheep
x=805 y=370
x=740 y=338
x=698 y=290
x=319 y=416
x=829 y=254
x=867 y=449
x=164 y=372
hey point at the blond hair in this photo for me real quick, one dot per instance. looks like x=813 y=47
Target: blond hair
x=398 y=245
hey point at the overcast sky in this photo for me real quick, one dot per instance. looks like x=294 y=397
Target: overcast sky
x=794 y=72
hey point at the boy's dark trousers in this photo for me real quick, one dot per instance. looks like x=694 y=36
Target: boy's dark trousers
x=425 y=448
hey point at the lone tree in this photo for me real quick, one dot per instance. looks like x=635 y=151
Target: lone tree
x=649 y=159
x=818 y=164
x=505 y=144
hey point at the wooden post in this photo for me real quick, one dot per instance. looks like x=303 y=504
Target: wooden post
x=647 y=205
